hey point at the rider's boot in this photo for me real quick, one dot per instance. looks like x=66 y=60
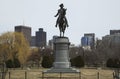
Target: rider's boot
x=56 y=25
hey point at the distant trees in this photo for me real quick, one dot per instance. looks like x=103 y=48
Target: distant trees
x=47 y=58
x=15 y=51
x=77 y=61
x=12 y=64
x=14 y=47
x=107 y=50
x=113 y=63
x=38 y=56
x=47 y=61
x=34 y=57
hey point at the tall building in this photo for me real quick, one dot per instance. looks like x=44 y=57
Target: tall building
x=88 y=40
x=112 y=40
x=25 y=30
x=41 y=38
x=112 y=32
x=33 y=41
x=51 y=42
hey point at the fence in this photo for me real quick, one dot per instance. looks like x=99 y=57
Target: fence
x=25 y=74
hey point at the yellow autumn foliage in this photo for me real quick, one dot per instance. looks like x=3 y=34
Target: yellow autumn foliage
x=14 y=45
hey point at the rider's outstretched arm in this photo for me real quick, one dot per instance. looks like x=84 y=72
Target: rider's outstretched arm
x=57 y=14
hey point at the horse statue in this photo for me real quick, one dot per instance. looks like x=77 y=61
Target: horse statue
x=61 y=21
x=62 y=26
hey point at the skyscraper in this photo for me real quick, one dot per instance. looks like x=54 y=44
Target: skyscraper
x=51 y=42
x=33 y=41
x=41 y=38
x=112 y=32
x=25 y=30
x=113 y=40
x=88 y=40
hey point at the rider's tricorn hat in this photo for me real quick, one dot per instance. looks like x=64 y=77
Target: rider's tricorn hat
x=61 y=5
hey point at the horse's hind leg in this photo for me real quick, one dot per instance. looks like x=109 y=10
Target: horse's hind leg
x=60 y=33
x=63 y=34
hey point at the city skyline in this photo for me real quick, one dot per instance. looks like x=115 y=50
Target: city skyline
x=88 y=16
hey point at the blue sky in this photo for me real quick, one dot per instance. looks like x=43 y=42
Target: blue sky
x=84 y=16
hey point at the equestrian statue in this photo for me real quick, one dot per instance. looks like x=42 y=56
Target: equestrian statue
x=61 y=20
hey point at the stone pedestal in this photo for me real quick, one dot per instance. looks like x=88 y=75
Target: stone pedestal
x=61 y=63
x=61 y=53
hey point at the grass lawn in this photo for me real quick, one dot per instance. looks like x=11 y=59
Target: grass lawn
x=37 y=74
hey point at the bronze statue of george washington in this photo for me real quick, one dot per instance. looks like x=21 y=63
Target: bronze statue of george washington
x=61 y=20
